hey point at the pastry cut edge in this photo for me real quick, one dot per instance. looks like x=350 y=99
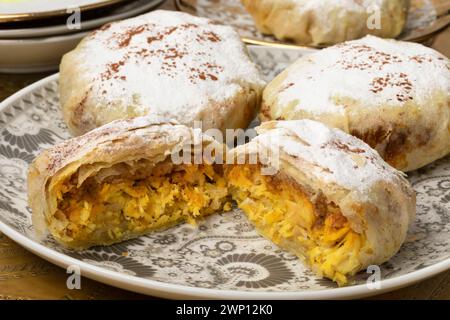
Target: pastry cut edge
x=85 y=200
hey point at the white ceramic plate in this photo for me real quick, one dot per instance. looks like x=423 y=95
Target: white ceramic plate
x=223 y=257
x=36 y=54
x=124 y=11
x=19 y=10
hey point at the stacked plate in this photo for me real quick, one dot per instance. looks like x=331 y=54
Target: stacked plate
x=34 y=34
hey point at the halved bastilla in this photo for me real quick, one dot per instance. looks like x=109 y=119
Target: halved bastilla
x=331 y=200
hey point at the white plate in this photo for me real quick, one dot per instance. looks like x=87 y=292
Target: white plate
x=127 y=10
x=36 y=54
x=224 y=257
x=19 y=10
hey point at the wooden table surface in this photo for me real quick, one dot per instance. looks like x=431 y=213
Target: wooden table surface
x=26 y=276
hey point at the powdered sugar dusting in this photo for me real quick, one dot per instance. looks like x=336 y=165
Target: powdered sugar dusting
x=167 y=63
x=64 y=151
x=327 y=5
x=423 y=15
x=336 y=156
x=324 y=9
x=375 y=71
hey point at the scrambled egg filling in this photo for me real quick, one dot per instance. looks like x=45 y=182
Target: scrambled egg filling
x=283 y=213
x=117 y=204
x=120 y=206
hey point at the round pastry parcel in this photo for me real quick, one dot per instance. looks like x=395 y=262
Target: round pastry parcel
x=124 y=180
x=163 y=63
x=322 y=194
x=327 y=22
x=393 y=95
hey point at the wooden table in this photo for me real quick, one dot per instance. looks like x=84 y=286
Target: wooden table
x=26 y=276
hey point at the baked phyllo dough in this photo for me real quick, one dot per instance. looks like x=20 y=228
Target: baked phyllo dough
x=393 y=95
x=325 y=22
x=124 y=180
x=162 y=63
x=322 y=194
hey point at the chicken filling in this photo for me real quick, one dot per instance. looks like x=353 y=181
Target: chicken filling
x=118 y=203
x=316 y=231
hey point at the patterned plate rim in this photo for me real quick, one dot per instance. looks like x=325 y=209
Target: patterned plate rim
x=168 y=290
x=181 y=6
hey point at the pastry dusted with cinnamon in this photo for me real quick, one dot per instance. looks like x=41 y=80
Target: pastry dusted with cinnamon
x=126 y=179
x=327 y=22
x=162 y=63
x=393 y=95
x=328 y=198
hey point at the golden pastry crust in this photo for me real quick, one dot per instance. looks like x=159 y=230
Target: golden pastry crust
x=119 y=181
x=393 y=95
x=333 y=201
x=326 y=22
x=163 y=63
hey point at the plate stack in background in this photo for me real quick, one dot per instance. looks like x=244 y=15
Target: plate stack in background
x=35 y=34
